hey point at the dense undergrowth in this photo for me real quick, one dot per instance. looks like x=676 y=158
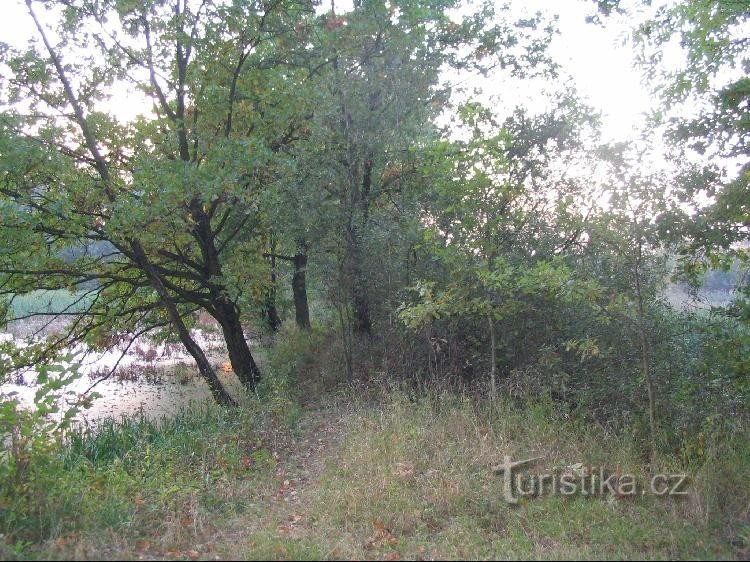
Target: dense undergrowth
x=133 y=480
x=404 y=475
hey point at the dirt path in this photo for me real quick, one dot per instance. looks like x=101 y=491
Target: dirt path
x=282 y=513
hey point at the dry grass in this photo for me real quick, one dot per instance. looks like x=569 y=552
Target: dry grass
x=412 y=480
x=381 y=476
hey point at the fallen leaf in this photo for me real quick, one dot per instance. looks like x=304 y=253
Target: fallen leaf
x=404 y=469
x=381 y=537
x=451 y=485
x=431 y=523
x=61 y=542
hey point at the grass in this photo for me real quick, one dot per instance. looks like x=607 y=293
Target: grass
x=135 y=486
x=372 y=474
x=413 y=480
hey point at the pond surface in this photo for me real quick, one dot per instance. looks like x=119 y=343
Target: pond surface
x=149 y=379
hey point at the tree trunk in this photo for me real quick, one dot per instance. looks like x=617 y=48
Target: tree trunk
x=493 y=358
x=642 y=336
x=346 y=339
x=240 y=357
x=299 y=288
x=649 y=387
x=204 y=367
x=362 y=323
x=274 y=321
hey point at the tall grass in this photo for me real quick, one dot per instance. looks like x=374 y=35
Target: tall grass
x=413 y=480
x=136 y=479
x=380 y=473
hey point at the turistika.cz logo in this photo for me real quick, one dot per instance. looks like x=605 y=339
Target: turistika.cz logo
x=579 y=479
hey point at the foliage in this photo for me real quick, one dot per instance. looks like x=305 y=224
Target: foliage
x=161 y=214
x=135 y=478
x=705 y=112
x=398 y=475
x=29 y=434
x=511 y=251
x=291 y=364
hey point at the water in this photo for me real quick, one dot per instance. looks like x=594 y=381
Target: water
x=152 y=380
x=681 y=299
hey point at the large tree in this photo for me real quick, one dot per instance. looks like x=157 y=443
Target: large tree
x=377 y=102
x=704 y=93
x=170 y=201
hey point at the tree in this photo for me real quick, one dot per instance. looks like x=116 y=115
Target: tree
x=172 y=197
x=377 y=105
x=497 y=227
x=631 y=243
x=705 y=108
x=705 y=112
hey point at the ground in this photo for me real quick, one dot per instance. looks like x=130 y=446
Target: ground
x=370 y=474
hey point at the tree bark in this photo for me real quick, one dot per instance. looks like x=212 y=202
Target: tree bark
x=493 y=358
x=204 y=367
x=299 y=289
x=240 y=357
x=362 y=323
x=642 y=336
x=274 y=321
x=299 y=286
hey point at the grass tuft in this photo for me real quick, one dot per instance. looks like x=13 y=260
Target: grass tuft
x=413 y=480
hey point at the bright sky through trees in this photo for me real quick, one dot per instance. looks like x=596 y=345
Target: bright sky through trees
x=596 y=57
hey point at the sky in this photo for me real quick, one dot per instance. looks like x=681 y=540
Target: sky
x=600 y=65
x=599 y=62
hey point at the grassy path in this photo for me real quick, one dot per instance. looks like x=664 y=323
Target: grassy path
x=385 y=479
x=283 y=528
x=397 y=480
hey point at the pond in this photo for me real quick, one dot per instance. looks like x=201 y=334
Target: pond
x=148 y=379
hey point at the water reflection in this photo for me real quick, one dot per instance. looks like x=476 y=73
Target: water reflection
x=149 y=379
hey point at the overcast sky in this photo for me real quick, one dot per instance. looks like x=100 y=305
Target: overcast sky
x=596 y=58
x=600 y=62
